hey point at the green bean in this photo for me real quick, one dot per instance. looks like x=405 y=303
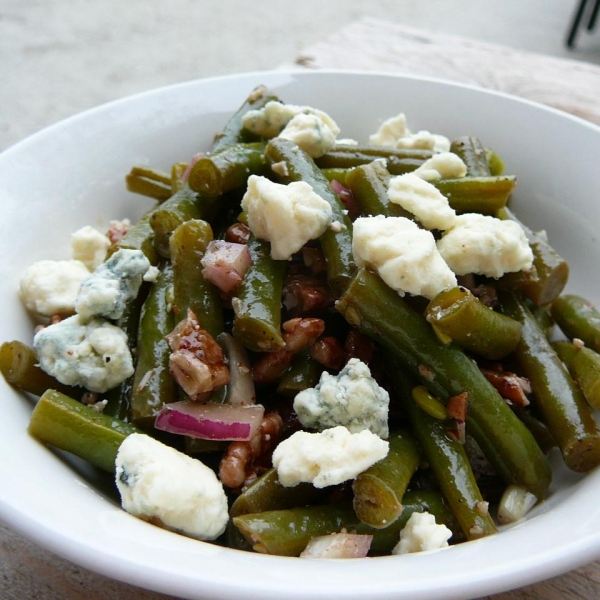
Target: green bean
x=336 y=174
x=473 y=154
x=539 y=430
x=119 y=398
x=287 y=532
x=257 y=306
x=428 y=403
x=234 y=132
x=544 y=318
x=19 y=366
x=304 y=373
x=577 y=318
x=584 y=366
x=191 y=291
x=397 y=165
x=448 y=461
x=378 y=491
x=369 y=185
x=180 y=207
x=149 y=182
x=267 y=494
x=495 y=163
x=446 y=371
x=227 y=170
x=485 y=195
x=153 y=385
x=467 y=321
x=562 y=405
x=140 y=236
x=336 y=245
x=71 y=426
x=548 y=278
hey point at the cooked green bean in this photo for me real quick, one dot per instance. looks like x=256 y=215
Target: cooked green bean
x=153 y=385
x=304 y=372
x=234 y=132
x=577 y=318
x=119 y=398
x=561 y=403
x=379 y=490
x=140 y=236
x=446 y=371
x=396 y=165
x=467 y=321
x=448 y=461
x=149 y=182
x=485 y=195
x=336 y=245
x=71 y=426
x=257 y=305
x=584 y=366
x=473 y=154
x=227 y=170
x=191 y=291
x=287 y=532
x=18 y=365
x=180 y=207
x=369 y=184
x=549 y=276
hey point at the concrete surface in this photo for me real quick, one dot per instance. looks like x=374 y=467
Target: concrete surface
x=58 y=57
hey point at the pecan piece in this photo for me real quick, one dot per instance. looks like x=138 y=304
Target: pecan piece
x=197 y=362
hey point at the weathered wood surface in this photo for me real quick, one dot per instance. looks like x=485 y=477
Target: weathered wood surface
x=372 y=44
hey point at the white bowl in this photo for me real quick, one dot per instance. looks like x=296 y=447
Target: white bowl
x=71 y=174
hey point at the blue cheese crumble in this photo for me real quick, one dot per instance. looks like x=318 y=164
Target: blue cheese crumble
x=107 y=290
x=160 y=484
x=310 y=128
x=288 y=216
x=352 y=399
x=327 y=458
x=93 y=354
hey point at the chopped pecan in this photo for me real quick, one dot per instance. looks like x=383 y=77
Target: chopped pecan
x=358 y=345
x=241 y=462
x=197 y=362
x=238 y=233
x=297 y=334
x=510 y=386
x=457 y=406
x=329 y=352
x=303 y=294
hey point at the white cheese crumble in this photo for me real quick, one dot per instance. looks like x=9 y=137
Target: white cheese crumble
x=390 y=131
x=157 y=482
x=423 y=200
x=312 y=129
x=405 y=256
x=420 y=533
x=50 y=287
x=445 y=165
x=352 y=399
x=288 y=216
x=327 y=458
x=106 y=291
x=424 y=140
x=311 y=133
x=89 y=246
x=486 y=246
x=91 y=354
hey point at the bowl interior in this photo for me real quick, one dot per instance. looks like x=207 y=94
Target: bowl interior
x=72 y=174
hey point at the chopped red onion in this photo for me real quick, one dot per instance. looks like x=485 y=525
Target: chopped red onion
x=210 y=421
x=225 y=264
x=338 y=545
x=240 y=390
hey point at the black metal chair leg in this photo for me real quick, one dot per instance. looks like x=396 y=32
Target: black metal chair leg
x=576 y=23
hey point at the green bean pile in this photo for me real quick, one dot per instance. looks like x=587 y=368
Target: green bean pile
x=480 y=391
